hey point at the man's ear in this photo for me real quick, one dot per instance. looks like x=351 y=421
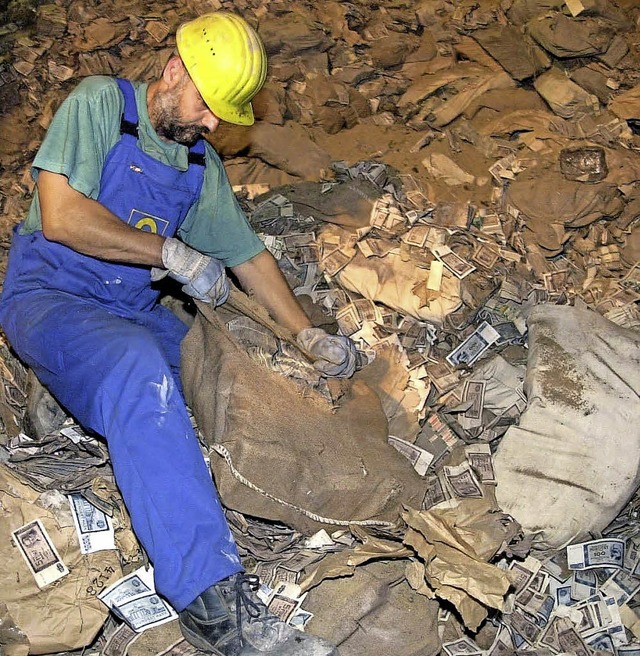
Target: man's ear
x=174 y=71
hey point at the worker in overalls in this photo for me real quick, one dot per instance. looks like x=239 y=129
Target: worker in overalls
x=128 y=191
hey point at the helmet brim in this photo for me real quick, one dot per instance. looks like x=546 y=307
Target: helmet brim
x=236 y=114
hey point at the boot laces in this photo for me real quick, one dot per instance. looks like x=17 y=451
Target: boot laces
x=246 y=584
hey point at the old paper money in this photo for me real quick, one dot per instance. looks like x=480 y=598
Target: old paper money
x=93 y=527
x=459 y=267
x=597 y=553
x=134 y=599
x=419 y=458
x=463 y=481
x=118 y=642
x=474 y=346
x=39 y=553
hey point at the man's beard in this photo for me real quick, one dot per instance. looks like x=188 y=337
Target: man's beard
x=164 y=113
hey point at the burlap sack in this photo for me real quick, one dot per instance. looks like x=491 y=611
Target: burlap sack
x=347 y=204
x=66 y=614
x=389 y=280
x=573 y=461
x=383 y=615
x=335 y=464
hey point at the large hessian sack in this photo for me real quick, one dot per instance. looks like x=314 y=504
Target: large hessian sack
x=573 y=462
x=334 y=463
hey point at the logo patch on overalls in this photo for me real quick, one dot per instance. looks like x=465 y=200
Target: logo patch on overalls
x=147 y=222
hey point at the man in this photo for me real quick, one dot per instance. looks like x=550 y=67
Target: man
x=122 y=170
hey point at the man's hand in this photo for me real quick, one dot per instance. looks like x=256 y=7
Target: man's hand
x=336 y=355
x=202 y=277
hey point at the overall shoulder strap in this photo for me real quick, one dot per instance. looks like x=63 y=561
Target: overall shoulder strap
x=196 y=153
x=129 y=120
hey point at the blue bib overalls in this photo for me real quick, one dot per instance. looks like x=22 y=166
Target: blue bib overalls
x=94 y=335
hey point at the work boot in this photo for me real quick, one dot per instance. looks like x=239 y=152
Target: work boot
x=228 y=619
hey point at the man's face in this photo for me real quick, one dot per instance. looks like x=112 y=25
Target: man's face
x=180 y=114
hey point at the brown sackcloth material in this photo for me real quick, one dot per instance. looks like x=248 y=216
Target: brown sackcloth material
x=335 y=463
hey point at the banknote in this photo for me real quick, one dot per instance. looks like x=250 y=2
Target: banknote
x=571 y=642
x=597 y=553
x=435 y=445
x=419 y=458
x=145 y=611
x=622 y=586
x=522 y=573
x=273 y=573
x=583 y=584
x=136 y=583
x=461 y=646
x=418 y=235
x=540 y=581
x=284 y=600
x=502 y=644
x=297 y=239
x=335 y=262
x=459 y=267
x=474 y=346
x=442 y=377
x=375 y=246
x=525 y=627
x=632 y=278
x=600 y=615
x=485 y=256
x=118 y=642
x=563 y=596
x=93 y=527
x=283 y=607
x=75 y=434
x=436 y=493
x=301 y=560
x=602 y=642
x=273 y=244
x=554 y=281
x=39 y=553
x=463 y=481
x=348 y=319
x=481 y=461
x=474 y=391
x=549 y=636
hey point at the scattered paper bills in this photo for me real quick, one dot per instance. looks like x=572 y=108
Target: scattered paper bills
x=597 y=553
x=474 y=346
x=418 y=457
x=39 y=553
x=94 y=528
x=134 y=599
x=459 y=267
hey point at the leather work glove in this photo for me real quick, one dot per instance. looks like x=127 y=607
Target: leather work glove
x=202 y=277
x=336 y=355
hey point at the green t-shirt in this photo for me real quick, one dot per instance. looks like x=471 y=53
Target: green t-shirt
x=87 y=126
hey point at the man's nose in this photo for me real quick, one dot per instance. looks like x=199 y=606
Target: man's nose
x=210 y=121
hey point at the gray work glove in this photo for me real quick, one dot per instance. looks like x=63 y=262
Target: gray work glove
x=202 y=277
x=336 y=355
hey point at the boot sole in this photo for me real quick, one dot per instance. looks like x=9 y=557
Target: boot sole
x=196 y=640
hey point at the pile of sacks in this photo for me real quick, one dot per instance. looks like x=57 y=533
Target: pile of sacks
x=477 y=440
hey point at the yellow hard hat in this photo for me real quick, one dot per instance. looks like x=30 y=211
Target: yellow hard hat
x=227 y=62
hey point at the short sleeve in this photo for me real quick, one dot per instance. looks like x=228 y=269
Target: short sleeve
x=82 y=132
x=216 y=224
